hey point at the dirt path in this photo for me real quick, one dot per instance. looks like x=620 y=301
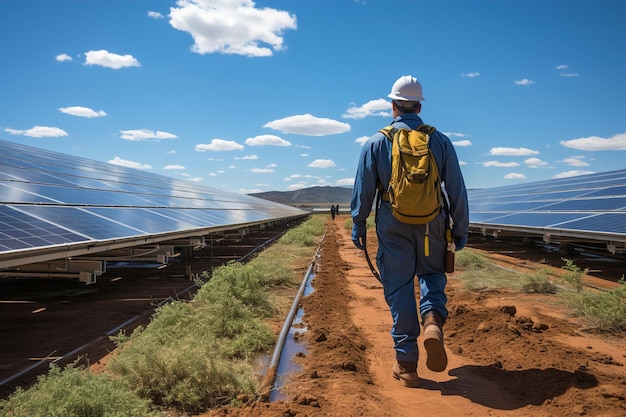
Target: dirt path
x=509 y=354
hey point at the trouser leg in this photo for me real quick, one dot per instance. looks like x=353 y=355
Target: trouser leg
x=396 y=261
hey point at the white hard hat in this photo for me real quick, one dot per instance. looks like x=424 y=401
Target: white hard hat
x=406 y=88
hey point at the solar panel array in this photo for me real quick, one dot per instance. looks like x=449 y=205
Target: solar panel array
x=51 y=199
x=587 y=204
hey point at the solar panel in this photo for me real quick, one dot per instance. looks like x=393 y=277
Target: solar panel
x=51 y=200
x=588 y=206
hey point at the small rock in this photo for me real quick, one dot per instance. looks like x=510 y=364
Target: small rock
x=349 y=366
x=484 y=327
x=510 y=310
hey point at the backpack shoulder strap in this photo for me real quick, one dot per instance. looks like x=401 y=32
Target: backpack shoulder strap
x=388 y=131
x=426 y=129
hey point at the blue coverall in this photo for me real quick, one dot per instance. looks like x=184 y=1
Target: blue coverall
x=401 y=253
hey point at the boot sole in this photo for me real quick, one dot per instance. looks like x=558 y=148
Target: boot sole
x=436 y=359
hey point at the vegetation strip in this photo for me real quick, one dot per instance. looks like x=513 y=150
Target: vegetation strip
x=192 y=355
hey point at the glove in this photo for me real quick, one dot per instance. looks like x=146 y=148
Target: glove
x=460 y=242
x=358 y=235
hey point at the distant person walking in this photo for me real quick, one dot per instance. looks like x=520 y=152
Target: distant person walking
x=407 y=250
x=332 y=211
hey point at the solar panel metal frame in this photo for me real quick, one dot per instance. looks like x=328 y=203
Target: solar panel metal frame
x=589 y=208
x=56 y=206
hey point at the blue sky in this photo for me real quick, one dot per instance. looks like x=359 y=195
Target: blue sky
x=279 y=95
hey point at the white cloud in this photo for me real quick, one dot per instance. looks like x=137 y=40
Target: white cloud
x=131 y=164
x=248 y=157
x=361 y=140
x=500 y=164
x=576 y=161
x=174 y=167
x=465 y=142
x=594 y=143
x=155 y=15
x=298 y=186
x=82 y=112
x=267 y=140
x=471 y=74
x=380 y=107
x=308 y=125
x=145 y=134
x=535 y=163
x=219 y=145
x=63 y=58
x=292 y=176
x=573 y=173
x=195 y=179
x=503 y=151
x=565 y=74
x=39 y=132
x=231 y=26
x=524 y=81
x=108 y=59
x=249 y=191
x=462 y=163
x=345 y=181
x=322 y=163
x=261 y=170
x=514 y=176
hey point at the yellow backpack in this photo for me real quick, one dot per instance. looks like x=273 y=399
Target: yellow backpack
x=414 y=189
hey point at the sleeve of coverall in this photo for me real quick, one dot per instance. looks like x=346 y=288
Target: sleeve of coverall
x=455 y=188
x=364 y=190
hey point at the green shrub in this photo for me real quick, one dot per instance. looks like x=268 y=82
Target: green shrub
x=538 y=283
x=574 y=275
x=469 y=260
x=236 y=281
x=606 y=310
x=307 y=233
x=75 y=392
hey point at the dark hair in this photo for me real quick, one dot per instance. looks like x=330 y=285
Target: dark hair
x=406 y=106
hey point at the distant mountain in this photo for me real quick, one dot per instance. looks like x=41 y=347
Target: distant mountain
x=309 y=196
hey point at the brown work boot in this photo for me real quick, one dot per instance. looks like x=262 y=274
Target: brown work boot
x=436 y=358
x=406 y=372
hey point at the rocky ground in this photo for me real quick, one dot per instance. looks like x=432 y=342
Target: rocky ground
x=509 y=354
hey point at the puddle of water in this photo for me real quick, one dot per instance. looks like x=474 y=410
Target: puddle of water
x=286 y=365
x=291 y=348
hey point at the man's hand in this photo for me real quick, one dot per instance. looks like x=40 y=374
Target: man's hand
x=460 y=242
x=358 y=235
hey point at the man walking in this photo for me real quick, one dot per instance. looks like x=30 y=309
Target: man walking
x=406 y=250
